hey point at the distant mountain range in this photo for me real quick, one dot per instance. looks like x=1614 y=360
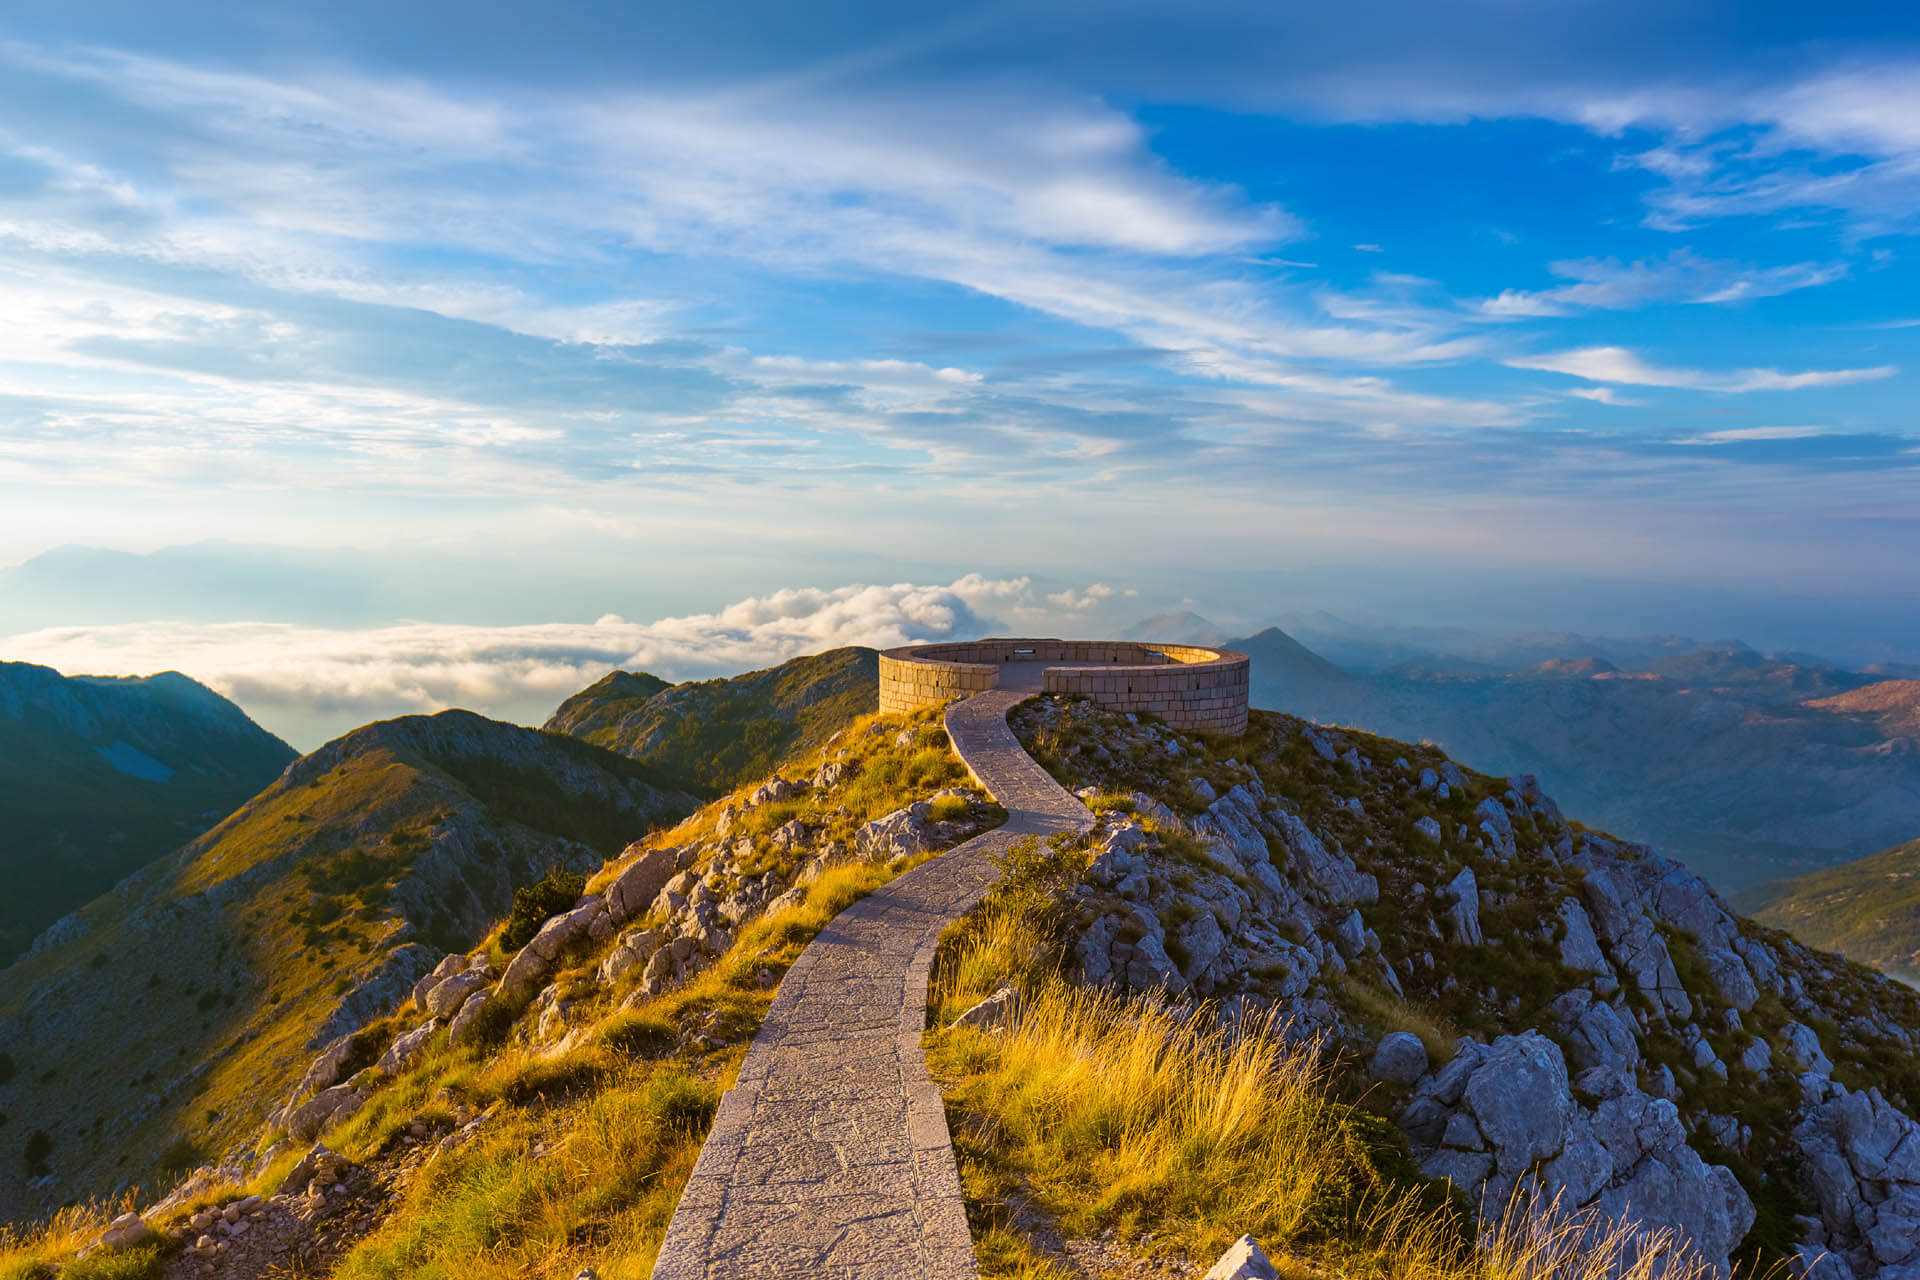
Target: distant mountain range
x=103 y=775
x=1749 y=766
x=1174 y=628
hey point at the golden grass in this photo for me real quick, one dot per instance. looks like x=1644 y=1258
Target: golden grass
x=619 y=1117
x=619 y=1120
x=1114 y=1112
x=1110 y=1113
x=1385 y=1012
x=541 y=1191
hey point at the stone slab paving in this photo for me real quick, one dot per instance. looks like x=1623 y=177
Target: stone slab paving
x=829 y=1158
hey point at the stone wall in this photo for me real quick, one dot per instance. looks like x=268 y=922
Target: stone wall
x=909 y=683
x=1186 y=686
x=1208 y=695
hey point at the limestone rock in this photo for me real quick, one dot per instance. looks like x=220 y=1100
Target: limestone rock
x=635 y=947
x=453 y=964
x=1579 y=948
x=466 y=1022
x=321 y=1112
x=445 y=999
x=530 y=968
x=777 y=789
x=1399 y=1059
x=1463 y=915
x=128 y=1231
x=999 y=1010
x=1332 y=878
x=1496 y=827
x=1803 y=1045
x=1243 y=1260
x=640 y=882
x=405 y=1048
x=1596 y=1036
x=899 y=834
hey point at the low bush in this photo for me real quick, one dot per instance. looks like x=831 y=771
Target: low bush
x=553 y=893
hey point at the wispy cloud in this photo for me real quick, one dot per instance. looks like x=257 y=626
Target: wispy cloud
x=1619 y=365
x=1680 y=277
x=1735 y=434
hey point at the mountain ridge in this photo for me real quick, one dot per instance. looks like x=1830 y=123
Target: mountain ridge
x=293 y=921
x=106 y=773
x=1726 y=756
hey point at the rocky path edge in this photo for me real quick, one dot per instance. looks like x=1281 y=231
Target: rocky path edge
x=830 y=1156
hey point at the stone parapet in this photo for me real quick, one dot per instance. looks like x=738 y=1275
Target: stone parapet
x=1186 y=686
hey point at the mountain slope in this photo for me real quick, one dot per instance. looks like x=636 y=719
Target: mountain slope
x=1893 y=705
x=299 y=918
x=103 y=774
x=1867 y=910
x=1533 y=1003
x=1504 y=997
x=1722 y=759
x=714 y=734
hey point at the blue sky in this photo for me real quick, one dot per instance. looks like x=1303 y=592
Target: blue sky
x=650 y=309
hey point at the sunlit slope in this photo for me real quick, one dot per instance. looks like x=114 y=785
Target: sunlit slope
x=1867 y=910
x=712 y=735
x=141 y=1043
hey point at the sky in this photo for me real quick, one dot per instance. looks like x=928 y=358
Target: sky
x=341 y=340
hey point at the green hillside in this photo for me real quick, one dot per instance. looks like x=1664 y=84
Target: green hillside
x=104 y=775
x=712 y=735
x=139 y=1043
x=1867 y=910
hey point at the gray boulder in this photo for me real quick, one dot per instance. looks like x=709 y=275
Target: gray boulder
x=1331 y=877
x=1001 y=1009
x=1496 y=827
x=1579 y=948
x=405 y=1048
x=1520 y=1101
x=1596 y=1035
x=1463 y=913
x=641 y=881
x=466 y=1022
x=446 y=997
x=899 y=834
x=1399 y=1059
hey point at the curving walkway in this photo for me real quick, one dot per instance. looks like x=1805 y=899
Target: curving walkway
x=829 y=1158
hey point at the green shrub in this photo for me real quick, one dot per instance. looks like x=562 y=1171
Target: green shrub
x=553 y=893
x=39 y=1148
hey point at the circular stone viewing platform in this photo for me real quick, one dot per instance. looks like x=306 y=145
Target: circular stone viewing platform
x=1186 y=686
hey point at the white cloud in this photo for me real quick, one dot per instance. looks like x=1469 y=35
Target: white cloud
x=1080 y=601
x=303 y=677
x=1604 y=395
x=1619 y=365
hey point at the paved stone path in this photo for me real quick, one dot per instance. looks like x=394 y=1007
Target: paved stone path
x=829 y=1159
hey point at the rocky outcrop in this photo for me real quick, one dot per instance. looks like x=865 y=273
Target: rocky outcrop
x=1614 y=997
x=1862 y=1168
x=1502 y=1118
